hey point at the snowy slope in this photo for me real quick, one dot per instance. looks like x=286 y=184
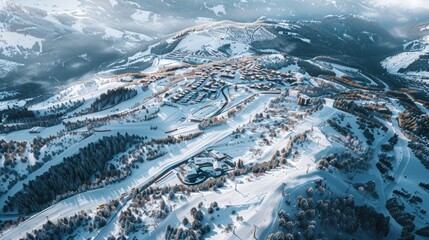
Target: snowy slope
x=12 y=42
x=413 y=61
x=253 y=139
x=51 y=5
x=32 y=31
x=7 y=66
x=219 y=40
x=402 y=60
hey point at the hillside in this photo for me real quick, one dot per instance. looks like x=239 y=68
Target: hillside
x=32 y=31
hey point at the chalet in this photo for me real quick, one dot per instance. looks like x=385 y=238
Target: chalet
x=290 y=80
x=191 y=172
x=293 y=93
x=303 y=100
x=203 y=160
x=208 y=84
x=200 y=97
x=230 y=76
x=175 y=98
x=217 y=166
x=185 y=100
x=217 y=155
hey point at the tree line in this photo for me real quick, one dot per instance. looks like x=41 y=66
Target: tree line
x=68 y=176
x=111 y=98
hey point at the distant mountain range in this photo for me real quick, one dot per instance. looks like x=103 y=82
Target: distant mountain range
x=44 y=42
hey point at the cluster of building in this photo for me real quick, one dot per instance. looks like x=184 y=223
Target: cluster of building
x=210 y=79
x=303 y=99
x=205 y=165
x=256 y=73
x=249 y=70
x=199 y=89
x=213 y=85
x=376 y=105
x=261 y=86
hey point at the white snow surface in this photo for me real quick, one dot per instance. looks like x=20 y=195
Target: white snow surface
x=402 y=60
x=52 y=6
x=7 y=66
x=141 y=16
x=11 y=42
x=218 y=9
x=91 y=199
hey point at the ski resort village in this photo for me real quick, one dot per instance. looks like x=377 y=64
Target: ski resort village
x=215 y=141
x=233 y=149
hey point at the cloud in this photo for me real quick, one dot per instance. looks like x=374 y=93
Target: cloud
x=417 y=5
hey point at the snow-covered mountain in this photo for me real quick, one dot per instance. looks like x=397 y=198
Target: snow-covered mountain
x=412 y=62
x=346 y=36
x=49 y=42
